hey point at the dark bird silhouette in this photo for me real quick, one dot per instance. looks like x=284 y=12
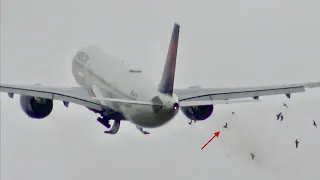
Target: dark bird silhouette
x=297 y=143
x=232 y=112
x=284 y=104
x=252 y=156
x=226 y=126
x=278 y=115
x=314 y=123
x=281 y=117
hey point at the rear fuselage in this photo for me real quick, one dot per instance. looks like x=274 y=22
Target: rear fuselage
x=107 y=77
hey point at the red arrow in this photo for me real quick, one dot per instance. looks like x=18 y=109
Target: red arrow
x=216 y=134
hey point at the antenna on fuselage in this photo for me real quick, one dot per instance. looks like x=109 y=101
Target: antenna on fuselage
x=167 y=81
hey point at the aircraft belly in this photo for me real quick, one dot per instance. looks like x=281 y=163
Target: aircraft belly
x=146 y=117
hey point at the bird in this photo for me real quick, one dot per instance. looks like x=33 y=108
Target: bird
x=297 y=142
x=314 y=123
x=252 y=156
x=278 y=115
x=232 y=112
x=284 y=104
x=226 y=126
x=281 y=117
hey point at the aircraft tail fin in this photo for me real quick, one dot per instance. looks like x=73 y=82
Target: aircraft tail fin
x=167 y=80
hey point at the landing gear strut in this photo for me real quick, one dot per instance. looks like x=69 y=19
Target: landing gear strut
x=191 y=111
x=106 y=122
x=191 y=121
x=115 y=127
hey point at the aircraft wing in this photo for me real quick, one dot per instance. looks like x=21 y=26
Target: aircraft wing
x=77 y=95
x=198 y=95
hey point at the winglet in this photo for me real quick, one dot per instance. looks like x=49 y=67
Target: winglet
x=167 y=80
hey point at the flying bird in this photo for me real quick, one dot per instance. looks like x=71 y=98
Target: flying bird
x=252 y=156
x=284 y=104
x=281 y=117
x=297 y=143
x=226 y=126
x=314 y=123
x=278 y=115
x=232 y=112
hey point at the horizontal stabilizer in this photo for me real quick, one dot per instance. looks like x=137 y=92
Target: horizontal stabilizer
x=203 y=103
x=126 y=101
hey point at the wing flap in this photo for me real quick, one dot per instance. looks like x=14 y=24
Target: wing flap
x=126 y=101
x=209 y=94
x=210 y=102
x=26 y=92
x=75 y=95
x=212 y=95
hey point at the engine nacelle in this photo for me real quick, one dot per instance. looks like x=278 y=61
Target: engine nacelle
x=35 y=107
x=198 y=113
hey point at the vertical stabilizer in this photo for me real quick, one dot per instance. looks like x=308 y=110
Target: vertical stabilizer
x=167 y=80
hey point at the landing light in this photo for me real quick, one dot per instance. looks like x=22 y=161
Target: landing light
x=175 y=106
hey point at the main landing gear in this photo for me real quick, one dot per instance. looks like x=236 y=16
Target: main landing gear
x=191 y=113
x=116 y=117
x=191 y=121
x=106 y=122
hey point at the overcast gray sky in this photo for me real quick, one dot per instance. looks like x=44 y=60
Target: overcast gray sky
x=236 y=43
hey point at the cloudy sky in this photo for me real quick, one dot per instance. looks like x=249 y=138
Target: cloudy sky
x=230 y=43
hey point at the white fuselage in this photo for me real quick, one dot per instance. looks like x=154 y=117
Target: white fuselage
x=106 y=77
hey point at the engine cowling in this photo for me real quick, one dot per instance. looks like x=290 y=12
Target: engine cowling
x=198 y=113
x=35 y=107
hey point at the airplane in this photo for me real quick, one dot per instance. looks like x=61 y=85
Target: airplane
x=117 y=93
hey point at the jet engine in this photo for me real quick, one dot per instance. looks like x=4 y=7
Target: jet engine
x=198 y=113
x=35 y=107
